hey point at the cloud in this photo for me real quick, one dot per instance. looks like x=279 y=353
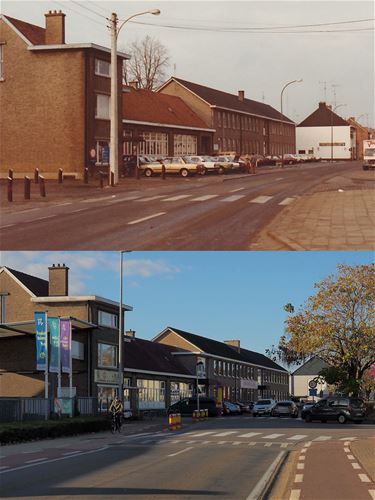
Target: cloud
x=147 y=268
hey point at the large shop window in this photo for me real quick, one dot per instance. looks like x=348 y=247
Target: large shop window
x=102 y=108
x=106 y=394
x=107 y=319
x=151 y=394
x=185 y=145
x=102 y=68
x=180 y=390
x=154 y=143
x=107 y=355
x=102 y=152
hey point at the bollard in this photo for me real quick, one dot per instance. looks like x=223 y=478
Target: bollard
x=36 y=176
x=60 y=176
x=195 y=415
x=172 y=422
x=101 y=178
x=112 y=179
x=86 y=175
x=42 y=187
x=10 y=189
x=10 y=173
x=26 y=188
x=137 y=172
x=162 y=171
x=178 y=421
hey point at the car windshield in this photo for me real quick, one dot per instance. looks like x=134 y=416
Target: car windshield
x=187 y=159
x=369 y=152
x=263 y=402
x=284 y=403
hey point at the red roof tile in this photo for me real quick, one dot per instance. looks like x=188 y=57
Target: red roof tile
x=35 y=34
x=323 y=117
x=147 y=106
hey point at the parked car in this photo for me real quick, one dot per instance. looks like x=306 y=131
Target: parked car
x=244 y=407
x=290 y=159
x=230 y=408
x=186 y=406
x=205 y=164
x=225 y=165
x=285 y=408
x=173 y=165
x=271 y=160
x=338 y=408
x=305 y=407
x=263 y=407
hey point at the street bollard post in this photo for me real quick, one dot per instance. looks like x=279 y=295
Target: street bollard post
x=137 y=173
x=36 y=176
x=112 y=179
x=26 y=187
x=60 y=176
x=172 y=419
x=178 y=421
x=86 y=175
x=10 y=189
x=101 y=178
x=162 y=171
x=42 y=186
x=10 y=173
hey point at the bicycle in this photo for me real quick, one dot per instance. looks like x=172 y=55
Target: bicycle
x=115 y=423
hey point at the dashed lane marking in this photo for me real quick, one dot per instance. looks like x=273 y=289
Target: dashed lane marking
x=237 y=189
x=103 y=198
x=137 y=221
x=372 y=494
x=272 y=436
x=236 y=443
x=206 y=442
x=78 y=210
x=249 y=434
x=181 y=451
x=151 y=198
x=28 y=210
x=364 y=478
x=294 y=494
x=348 y=439
x=72 y=452
x=268 y=445
x=232 y=198
x=35 y=460
x=301 y=458
x=347 y=450
x=323 y=438
x=261 y=199
x=298 y=478
x=307 y=444
x=279 y=179
x=64 y=204
x=178 y=197
x=201 y=434
x=297 y=437
x=252 y=443
x=126 y=198
x=4 y=467
x=355 y=465
x=222 y=442
x=8 y=225
x=205 y=197
x=350 y=457
x=226 y=433
x=287 y=201
x=45 y=217
x=300 y=466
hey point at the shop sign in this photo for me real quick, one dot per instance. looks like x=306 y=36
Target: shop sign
x=106 y=377
x=248 y=384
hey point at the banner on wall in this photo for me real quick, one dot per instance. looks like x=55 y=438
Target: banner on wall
x=41 y=340
x=65 y=345
x=54 y=357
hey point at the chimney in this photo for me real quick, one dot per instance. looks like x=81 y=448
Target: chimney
x=322 y=105
x=58 y=280
x=55 y=28
x=233 y=343
x=241 y=95
x=134 y=84
x=130 y=333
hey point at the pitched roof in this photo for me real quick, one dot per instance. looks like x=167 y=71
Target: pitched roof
x=149 y=356
x=221 y=349
x=230 y=101
x=323 y=117
x=311 y=367
x=147 y=106
x=37 y=286
x=35 y=34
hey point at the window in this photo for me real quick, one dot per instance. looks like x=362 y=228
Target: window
x=107 y=319
x=219 y=119
x=102 y=68
x=1 y=61
x=3 y=297
x=78 y=350
x=102 y=152
x=107 y=355
x=185 y=145
x=102 y=108
x=215 y=367
x=154 y=143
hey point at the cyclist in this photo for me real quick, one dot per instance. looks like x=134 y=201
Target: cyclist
x=116 y=409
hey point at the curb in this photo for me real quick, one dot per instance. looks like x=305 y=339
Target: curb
x=291 y=245
x=263 y=487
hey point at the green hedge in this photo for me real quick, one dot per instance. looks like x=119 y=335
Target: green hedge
x=18 y=432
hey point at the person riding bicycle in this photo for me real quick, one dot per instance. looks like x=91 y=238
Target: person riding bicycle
x=116 y=409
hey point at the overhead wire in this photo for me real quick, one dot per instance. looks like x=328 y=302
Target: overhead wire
x=64 y=4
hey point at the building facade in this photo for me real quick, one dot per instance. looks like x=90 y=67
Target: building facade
x=55 y=100
x=326 y=135
x=301 y=377
x=241 y=125
x=361 y=134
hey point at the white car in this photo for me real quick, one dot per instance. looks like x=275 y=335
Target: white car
x=205 y=164
x=264 y=407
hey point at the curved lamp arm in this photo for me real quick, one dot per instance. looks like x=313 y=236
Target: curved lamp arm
x=155 y=12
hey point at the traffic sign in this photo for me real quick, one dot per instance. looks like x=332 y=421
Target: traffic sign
x=313 y=392
x=312 y=384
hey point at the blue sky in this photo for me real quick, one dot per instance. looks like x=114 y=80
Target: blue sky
x=221 y=295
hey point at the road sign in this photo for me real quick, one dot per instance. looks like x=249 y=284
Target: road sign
x=312 y=384
x=313 y=392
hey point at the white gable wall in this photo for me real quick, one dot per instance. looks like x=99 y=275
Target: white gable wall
x=318 y=139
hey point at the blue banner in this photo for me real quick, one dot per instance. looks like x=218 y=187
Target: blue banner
x=41 y=340
x=54 y=357
x=66 y=345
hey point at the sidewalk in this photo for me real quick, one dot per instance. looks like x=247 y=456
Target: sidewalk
x=340 y=215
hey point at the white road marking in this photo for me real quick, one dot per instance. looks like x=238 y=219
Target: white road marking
x=372 y=494
x=178 y=197
x=226 y=433
x=235 y=190
x=355 y=465
x=45 y=217
x=190 y=442
x=300 y=466
x=348 y=439
x=206 y=442
x=79 y=210
x=181 y=451
x=350 y=457
x=103 y=198
x=279 y=179
x=137 y=221
x=272 y=436
x=64 y=204
x=201 y=434
x=268 y=444
x=4 y=467
x=71 y=452
x=307 y=444
x=302 y=458
x=287 y=201
x=303 y=450
x=323 y=438
x=364 y=478
x=347 y=450
x=236 y=443
x=294 y=494
x=234 y=197
x=222 y=442
x=205 y=197
x=264 y=480
x=297 y=437
x=261 y=199
x=151 y=198
x=298 y=478
x=36 y=460
x=8 y=225
x=284 y=445
x=127 y=198
x=141 y=434
x=29 y=210
x=248 y=435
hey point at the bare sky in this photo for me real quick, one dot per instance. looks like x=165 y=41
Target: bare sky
x=259 y=63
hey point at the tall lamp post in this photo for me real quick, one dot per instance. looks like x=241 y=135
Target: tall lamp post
x=281 y=110
x=120 y=333
x=332 y=112
x=115 y=30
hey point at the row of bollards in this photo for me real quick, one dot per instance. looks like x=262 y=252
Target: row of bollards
x=26 y=187
x=199 y=415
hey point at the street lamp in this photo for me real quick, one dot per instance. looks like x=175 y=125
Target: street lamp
x=120 y=333
x=115 y=30
x=281 y=110
x=332 y=112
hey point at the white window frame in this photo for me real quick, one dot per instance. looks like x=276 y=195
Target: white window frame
x=102 y=314
x=98 y=68
x=116 y=355
x=103 y=107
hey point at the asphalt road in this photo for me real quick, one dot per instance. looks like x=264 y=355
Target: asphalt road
x=200 y=213
x=225 y=458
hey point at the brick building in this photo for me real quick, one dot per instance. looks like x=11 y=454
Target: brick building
x=241 y=124
x=361 y=134
x=240 y=373
x=55 y=99
x=163 y=124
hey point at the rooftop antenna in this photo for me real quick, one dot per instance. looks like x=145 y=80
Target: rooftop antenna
x=324 y=83
x=263 y=97
x=174 y=69
x=334 y=87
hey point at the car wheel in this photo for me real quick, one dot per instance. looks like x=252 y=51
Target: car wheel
x=221 y=170
x=203 y=170
x=341 y=419
x=184 y=172
x=148 y=172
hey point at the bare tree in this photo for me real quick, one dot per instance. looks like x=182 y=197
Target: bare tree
x=148 y=64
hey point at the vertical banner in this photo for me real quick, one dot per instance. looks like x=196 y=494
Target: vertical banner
x=41 y=340
x=54 y=356
x=65 y=345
